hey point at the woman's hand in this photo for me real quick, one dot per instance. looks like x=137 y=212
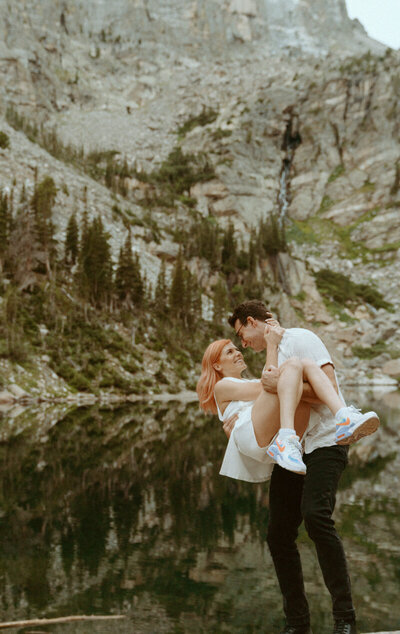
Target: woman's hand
x=273 y=333
x=229 y=424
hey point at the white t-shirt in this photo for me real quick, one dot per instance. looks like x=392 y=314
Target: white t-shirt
x=304 y=344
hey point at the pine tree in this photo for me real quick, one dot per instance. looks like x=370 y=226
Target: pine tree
x=191 y=300
x=228 y=255
x=272 y=238
x=84 y=225
x=253 y=252
x=4 y=227
x=220 y=301
x=25 y=256
x=72 y=241
x=161 y=294
x=22 y=197
x=128 y=281
x=94 y=274
x=177 y=290
x=205 y=240
x=138 y=289
x=42 y=202
x=109 y=174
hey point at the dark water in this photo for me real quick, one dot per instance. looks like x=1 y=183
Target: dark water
x=122 y=511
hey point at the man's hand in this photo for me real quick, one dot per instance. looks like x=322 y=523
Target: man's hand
x=269 y=379
x=229 y=424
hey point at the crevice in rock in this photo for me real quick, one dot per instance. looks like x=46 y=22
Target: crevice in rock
x=368 y=100
x=290 y=142
x=348 y=94
x=338 y=143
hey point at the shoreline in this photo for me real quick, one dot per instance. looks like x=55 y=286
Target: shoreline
x=14 y=395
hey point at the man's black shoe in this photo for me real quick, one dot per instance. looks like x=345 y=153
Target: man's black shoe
x=344 y=627
x=301 y=629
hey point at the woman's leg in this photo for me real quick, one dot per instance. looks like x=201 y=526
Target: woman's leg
x=265 y=417
x=290 y=390
x=271 y=411
x=321 y=385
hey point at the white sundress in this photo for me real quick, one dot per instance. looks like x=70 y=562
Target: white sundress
x=244 y=459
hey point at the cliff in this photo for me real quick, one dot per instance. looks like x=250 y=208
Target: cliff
x=293 y=106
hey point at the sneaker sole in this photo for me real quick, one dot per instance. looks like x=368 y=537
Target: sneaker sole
x=285 y=466
x=367 y=428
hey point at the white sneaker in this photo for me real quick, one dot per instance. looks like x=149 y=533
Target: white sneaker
x=287 y=453
x=352 y=424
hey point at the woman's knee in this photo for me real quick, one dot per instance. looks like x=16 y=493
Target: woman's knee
x=291 y=363
x=308 y=364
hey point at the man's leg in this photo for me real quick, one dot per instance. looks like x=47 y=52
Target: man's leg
x=324 y=468
x=285 y=495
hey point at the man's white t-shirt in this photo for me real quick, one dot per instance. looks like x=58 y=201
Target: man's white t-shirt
x=304 y=344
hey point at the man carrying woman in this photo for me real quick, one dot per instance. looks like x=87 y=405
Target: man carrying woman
x=299 y=397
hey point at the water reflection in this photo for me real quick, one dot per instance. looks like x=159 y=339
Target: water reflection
x=121 y=510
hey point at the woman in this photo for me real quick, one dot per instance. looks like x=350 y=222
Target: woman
x=251 y=446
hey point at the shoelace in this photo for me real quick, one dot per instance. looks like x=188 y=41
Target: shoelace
x=292 y=440
x=294 y=444
x=355 y=409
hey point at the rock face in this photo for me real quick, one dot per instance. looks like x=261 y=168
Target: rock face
x=315 y=26
x=306 y=127
x=47 y=48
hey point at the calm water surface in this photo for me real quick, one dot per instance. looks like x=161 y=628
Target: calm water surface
x=122 y=511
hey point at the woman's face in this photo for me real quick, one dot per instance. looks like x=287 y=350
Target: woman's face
x=231 y=362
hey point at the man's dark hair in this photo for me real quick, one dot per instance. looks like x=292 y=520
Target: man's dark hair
x=253 y=308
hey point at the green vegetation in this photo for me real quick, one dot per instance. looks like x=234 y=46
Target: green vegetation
x=373 y=351
x=337 y=289
x=221 y=134
x=107 y=167
x=75 y=294
x=356 y=471
x=317 y=230
x=176 y=175
x=338 y=171
x=326 y=203
x=364 y=64
x=370 y=352
x=206 y=116
x=4 y=140
x=367 y=187
x=170 y=182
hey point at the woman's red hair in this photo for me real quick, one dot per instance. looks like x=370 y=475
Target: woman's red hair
x=210 y=376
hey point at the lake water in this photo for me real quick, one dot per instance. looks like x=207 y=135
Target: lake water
x=122 y=511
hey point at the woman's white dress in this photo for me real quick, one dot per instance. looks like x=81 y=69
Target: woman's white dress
x=244 y=459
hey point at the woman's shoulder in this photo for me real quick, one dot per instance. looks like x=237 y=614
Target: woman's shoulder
x=223 y=384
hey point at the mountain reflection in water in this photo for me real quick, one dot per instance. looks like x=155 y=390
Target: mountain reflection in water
x=122 y=511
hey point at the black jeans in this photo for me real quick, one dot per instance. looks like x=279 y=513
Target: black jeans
x=294 y=498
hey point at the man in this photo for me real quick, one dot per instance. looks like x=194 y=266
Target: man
x=311 y=498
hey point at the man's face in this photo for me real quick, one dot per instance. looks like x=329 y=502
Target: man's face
x=251 y=334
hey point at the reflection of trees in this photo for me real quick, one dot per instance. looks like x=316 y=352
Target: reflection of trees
x=134 y=488
x=113 y=507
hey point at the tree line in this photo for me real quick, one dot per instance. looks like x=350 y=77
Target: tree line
x=29 y=253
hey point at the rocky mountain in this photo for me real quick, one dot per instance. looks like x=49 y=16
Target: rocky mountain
x=295 y=110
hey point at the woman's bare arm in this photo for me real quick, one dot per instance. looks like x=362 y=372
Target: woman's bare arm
x=227 y=391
